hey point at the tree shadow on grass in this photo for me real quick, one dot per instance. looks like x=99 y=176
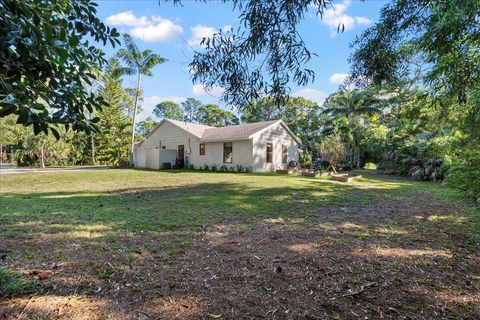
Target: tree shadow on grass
x=228 y=250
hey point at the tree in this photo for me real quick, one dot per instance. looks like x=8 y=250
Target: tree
x=7 y=134
x=114 y=126
x=263 y=56
x=190 y=108
x=168 y=109
x=145 y=127
x=442 y=36
x=47 y=57
x=301 y=115
x=139 y=63
x=213 y=115
x=348 y=109
x=333 y=150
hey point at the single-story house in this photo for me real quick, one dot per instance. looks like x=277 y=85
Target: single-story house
x=260 y=146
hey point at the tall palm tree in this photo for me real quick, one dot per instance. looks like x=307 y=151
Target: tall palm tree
x=138 y=63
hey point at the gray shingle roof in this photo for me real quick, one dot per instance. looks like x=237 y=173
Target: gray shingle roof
x=238 y=132
x=195 y=129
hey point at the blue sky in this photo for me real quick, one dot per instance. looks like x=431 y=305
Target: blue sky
x=172 y=31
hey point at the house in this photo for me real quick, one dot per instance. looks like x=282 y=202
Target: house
x=260 y=146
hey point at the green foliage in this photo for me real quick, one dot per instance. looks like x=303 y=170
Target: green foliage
x=213 y=115
x=305 y=158
x=12 y=284
x=262 y=56
x=145 y=127
x=169 y=110
x=139 y=63
x=332 y=149
x=48 y=58
x=302 y=116
x=114 y=127
x=370 y=166
x=410 y=34
x=190 y=108
x=465 y=174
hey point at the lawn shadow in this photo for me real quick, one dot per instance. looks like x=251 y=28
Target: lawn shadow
x=308 y=250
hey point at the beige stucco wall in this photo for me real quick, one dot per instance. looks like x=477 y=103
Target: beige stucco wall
x=147 y=154
x=278 y=136
x=241 y=149
x=248 y=153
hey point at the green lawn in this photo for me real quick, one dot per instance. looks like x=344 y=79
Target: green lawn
x=190 y=244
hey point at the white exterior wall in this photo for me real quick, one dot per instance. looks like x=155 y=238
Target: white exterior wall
x=242 y=154
x=250 y=153
x=147 y=154
x=278 y=136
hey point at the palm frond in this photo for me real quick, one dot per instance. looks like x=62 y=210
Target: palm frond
x=130 y=44
x=128 y=57
x=152 y=60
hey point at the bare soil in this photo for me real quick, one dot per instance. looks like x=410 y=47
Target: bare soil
x=392 y=259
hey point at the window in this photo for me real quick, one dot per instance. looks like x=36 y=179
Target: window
x=227 y=152
x=164 y=147
x=269 y=152
x=202 y=149
x=284 y=154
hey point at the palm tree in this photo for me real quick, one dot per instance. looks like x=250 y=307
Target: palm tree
x=138 y=63
x=346 y=109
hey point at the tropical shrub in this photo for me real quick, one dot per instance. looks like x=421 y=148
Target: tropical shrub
x=370 y=166
x=465 y=174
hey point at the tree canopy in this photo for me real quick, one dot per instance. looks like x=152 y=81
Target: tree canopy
x=213 y=115
x=263 y=56
x=436 y=40
x=48 y=58
x=169 y=109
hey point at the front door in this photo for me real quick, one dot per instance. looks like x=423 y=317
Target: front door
x=181 y=156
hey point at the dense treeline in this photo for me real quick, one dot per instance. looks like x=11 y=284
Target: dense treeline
x=403 y=130
x=412 y=106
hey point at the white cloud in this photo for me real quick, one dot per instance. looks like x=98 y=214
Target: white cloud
x=311 y=94
x=163 y=31
x=336 y=15
x=363 y=21
x=153 y=29
x=338 y=78
x=201 y=90
x=200 y=31
x=127 y=18
x=154 y=100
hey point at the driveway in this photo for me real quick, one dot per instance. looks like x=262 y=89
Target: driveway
x=10 y=169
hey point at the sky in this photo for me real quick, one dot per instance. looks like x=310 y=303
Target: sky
x=175 y=32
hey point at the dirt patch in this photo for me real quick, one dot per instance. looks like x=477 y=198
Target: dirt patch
x=387 y=259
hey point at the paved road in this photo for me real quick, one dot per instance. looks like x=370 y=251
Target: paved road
x=7 y=169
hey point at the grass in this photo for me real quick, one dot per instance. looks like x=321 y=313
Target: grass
x=12 y=284
x=112 y=235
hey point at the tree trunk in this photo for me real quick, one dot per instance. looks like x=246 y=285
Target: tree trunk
x=42 y=154
x=1 y=154
x=132 y=145
x=92 y=143
x=118 y=155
